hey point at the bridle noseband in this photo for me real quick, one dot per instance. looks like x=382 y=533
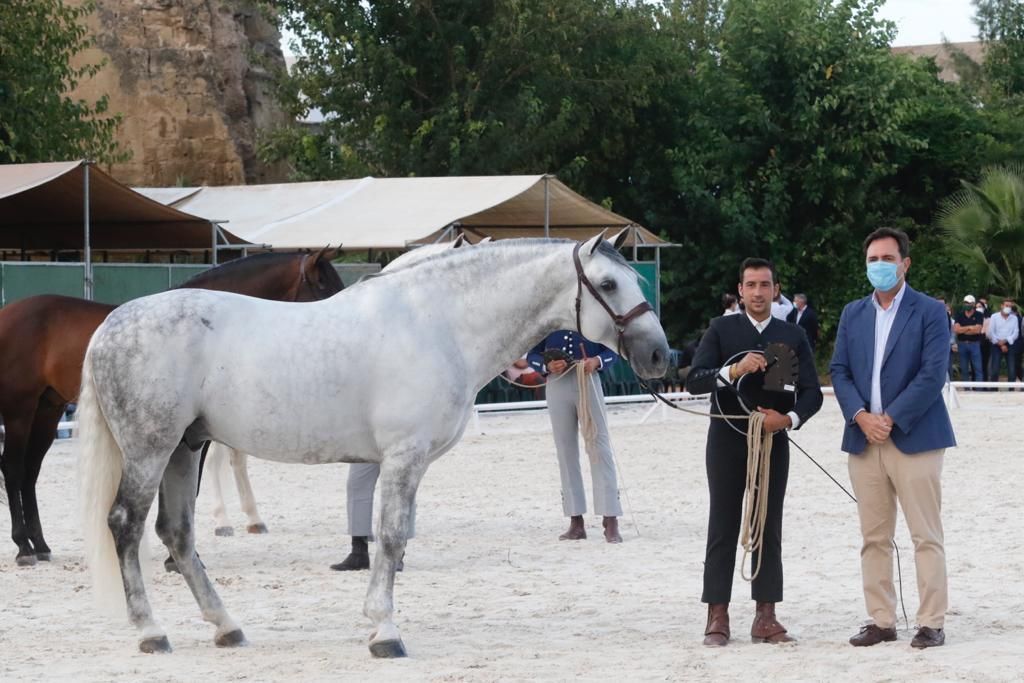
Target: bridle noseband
x=621 y=321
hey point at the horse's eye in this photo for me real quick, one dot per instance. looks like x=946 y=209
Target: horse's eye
x=608 y=286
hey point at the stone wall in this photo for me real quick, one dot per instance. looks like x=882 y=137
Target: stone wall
x=186 y=77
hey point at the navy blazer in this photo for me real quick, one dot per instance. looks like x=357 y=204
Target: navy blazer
x=575 y=345
x=914 y=372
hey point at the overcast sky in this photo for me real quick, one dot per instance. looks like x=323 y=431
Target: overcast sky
x=920 y=22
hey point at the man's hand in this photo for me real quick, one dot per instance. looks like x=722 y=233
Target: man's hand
x=774 y=420
x=875 y=427
x=752 y=362
x=590 y=365
x=1004 y=347
x=557 y=367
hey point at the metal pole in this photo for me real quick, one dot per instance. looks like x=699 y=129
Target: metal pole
x=213 y=233
x=547 y=209
x=88 y=250
x=657 y=281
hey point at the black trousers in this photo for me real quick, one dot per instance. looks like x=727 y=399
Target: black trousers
x=726 y=462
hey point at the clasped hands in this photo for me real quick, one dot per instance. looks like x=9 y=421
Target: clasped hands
x=875 y=427
x=559 y=366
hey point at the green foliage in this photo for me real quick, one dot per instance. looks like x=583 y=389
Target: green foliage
x=38 y=120
x=984 y=227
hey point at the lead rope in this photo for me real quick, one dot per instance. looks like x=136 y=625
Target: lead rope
x=755 y=507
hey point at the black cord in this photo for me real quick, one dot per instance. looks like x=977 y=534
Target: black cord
x=899 y=568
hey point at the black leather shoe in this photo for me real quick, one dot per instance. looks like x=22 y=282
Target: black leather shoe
x=873 y=635
x=928 y=637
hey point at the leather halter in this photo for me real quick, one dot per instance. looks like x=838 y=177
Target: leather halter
x=621 y=321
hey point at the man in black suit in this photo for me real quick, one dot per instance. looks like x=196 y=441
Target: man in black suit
x=727 y=363
x=806 y=317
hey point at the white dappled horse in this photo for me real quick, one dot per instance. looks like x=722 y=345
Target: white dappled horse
x=219 y=456
x=314 y=383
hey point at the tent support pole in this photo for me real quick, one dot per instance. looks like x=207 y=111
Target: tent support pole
x=213 y=235
x=547 y=209
x=657 y=281
x=87 y=285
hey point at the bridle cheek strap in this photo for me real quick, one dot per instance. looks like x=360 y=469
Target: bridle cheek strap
x=621 y=321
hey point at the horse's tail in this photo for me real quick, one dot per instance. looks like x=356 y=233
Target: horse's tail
x=100 y=463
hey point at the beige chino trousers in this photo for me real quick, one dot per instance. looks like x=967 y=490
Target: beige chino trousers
x=881 y=475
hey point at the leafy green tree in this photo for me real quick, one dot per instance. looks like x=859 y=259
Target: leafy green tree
x=808 y=131
x=493 y=86
x=984 y=227
x=39 y=121
x=1001 y=28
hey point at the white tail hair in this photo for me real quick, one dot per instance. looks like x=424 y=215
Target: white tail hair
x=100 y=464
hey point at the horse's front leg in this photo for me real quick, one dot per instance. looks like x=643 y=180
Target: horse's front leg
x=216 y=463
x=400 y=476
x=240 y=467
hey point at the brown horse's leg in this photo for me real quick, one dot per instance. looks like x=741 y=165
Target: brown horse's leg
x=44 y=429
x=16 y=433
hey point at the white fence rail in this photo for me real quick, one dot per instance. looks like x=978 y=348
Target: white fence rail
x=951 y=392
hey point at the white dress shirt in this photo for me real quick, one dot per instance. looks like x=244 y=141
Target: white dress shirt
x=724 y=372
x=1005 y=329
x=781 y=308
x=884 y=319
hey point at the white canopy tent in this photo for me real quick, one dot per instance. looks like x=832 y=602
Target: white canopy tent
x=396 y=213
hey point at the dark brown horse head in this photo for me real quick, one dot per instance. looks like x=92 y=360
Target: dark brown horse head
x=285 y=276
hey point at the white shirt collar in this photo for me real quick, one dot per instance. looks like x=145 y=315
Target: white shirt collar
x=759 y=326
x=895 y=302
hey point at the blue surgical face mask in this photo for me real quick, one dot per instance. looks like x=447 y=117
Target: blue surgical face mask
x=882 y=275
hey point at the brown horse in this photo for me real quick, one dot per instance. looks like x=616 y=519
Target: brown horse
x=42 y=346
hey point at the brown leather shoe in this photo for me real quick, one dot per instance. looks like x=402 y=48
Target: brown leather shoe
x=873 y=635
x=611 y=530
x=576 y=532
x=766 y=628
x=928 y=637
x=716 y=634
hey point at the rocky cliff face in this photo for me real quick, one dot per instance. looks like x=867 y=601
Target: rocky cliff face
x=189 y=78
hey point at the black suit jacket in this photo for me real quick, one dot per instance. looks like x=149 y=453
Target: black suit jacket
x=808 y=321
x=730 y=337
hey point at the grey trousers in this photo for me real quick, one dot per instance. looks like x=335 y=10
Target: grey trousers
x=563 y=409
x=362 y=481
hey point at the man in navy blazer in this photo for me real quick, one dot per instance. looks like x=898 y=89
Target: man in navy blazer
x=888 y=370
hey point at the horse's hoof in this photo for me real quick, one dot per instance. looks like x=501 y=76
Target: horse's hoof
x=260 y=528
x=25 y=560
x=43 y=557
x=155 y=645
x=231 y=639
x=224 y=531
x=170 y=566
x=388 y=649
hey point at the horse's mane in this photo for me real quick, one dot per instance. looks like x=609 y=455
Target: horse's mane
x=252 y=265
x=604 y=247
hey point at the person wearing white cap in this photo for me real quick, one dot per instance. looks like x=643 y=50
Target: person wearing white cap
x=968 y=326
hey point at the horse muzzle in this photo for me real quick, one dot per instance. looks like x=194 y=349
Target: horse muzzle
x=647 y=350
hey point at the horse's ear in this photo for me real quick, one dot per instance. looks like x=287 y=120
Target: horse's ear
x=328 y=253
x=620 y=238
x=459 y=241
x=591 y=245
x=485 y=240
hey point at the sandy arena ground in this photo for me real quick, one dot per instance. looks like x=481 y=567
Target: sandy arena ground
x=489 y=593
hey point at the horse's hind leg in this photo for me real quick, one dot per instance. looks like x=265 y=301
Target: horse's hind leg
x=400 y=477
x=240 y=467
x=175 y=527
x=140 y=480
x=44 y=429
